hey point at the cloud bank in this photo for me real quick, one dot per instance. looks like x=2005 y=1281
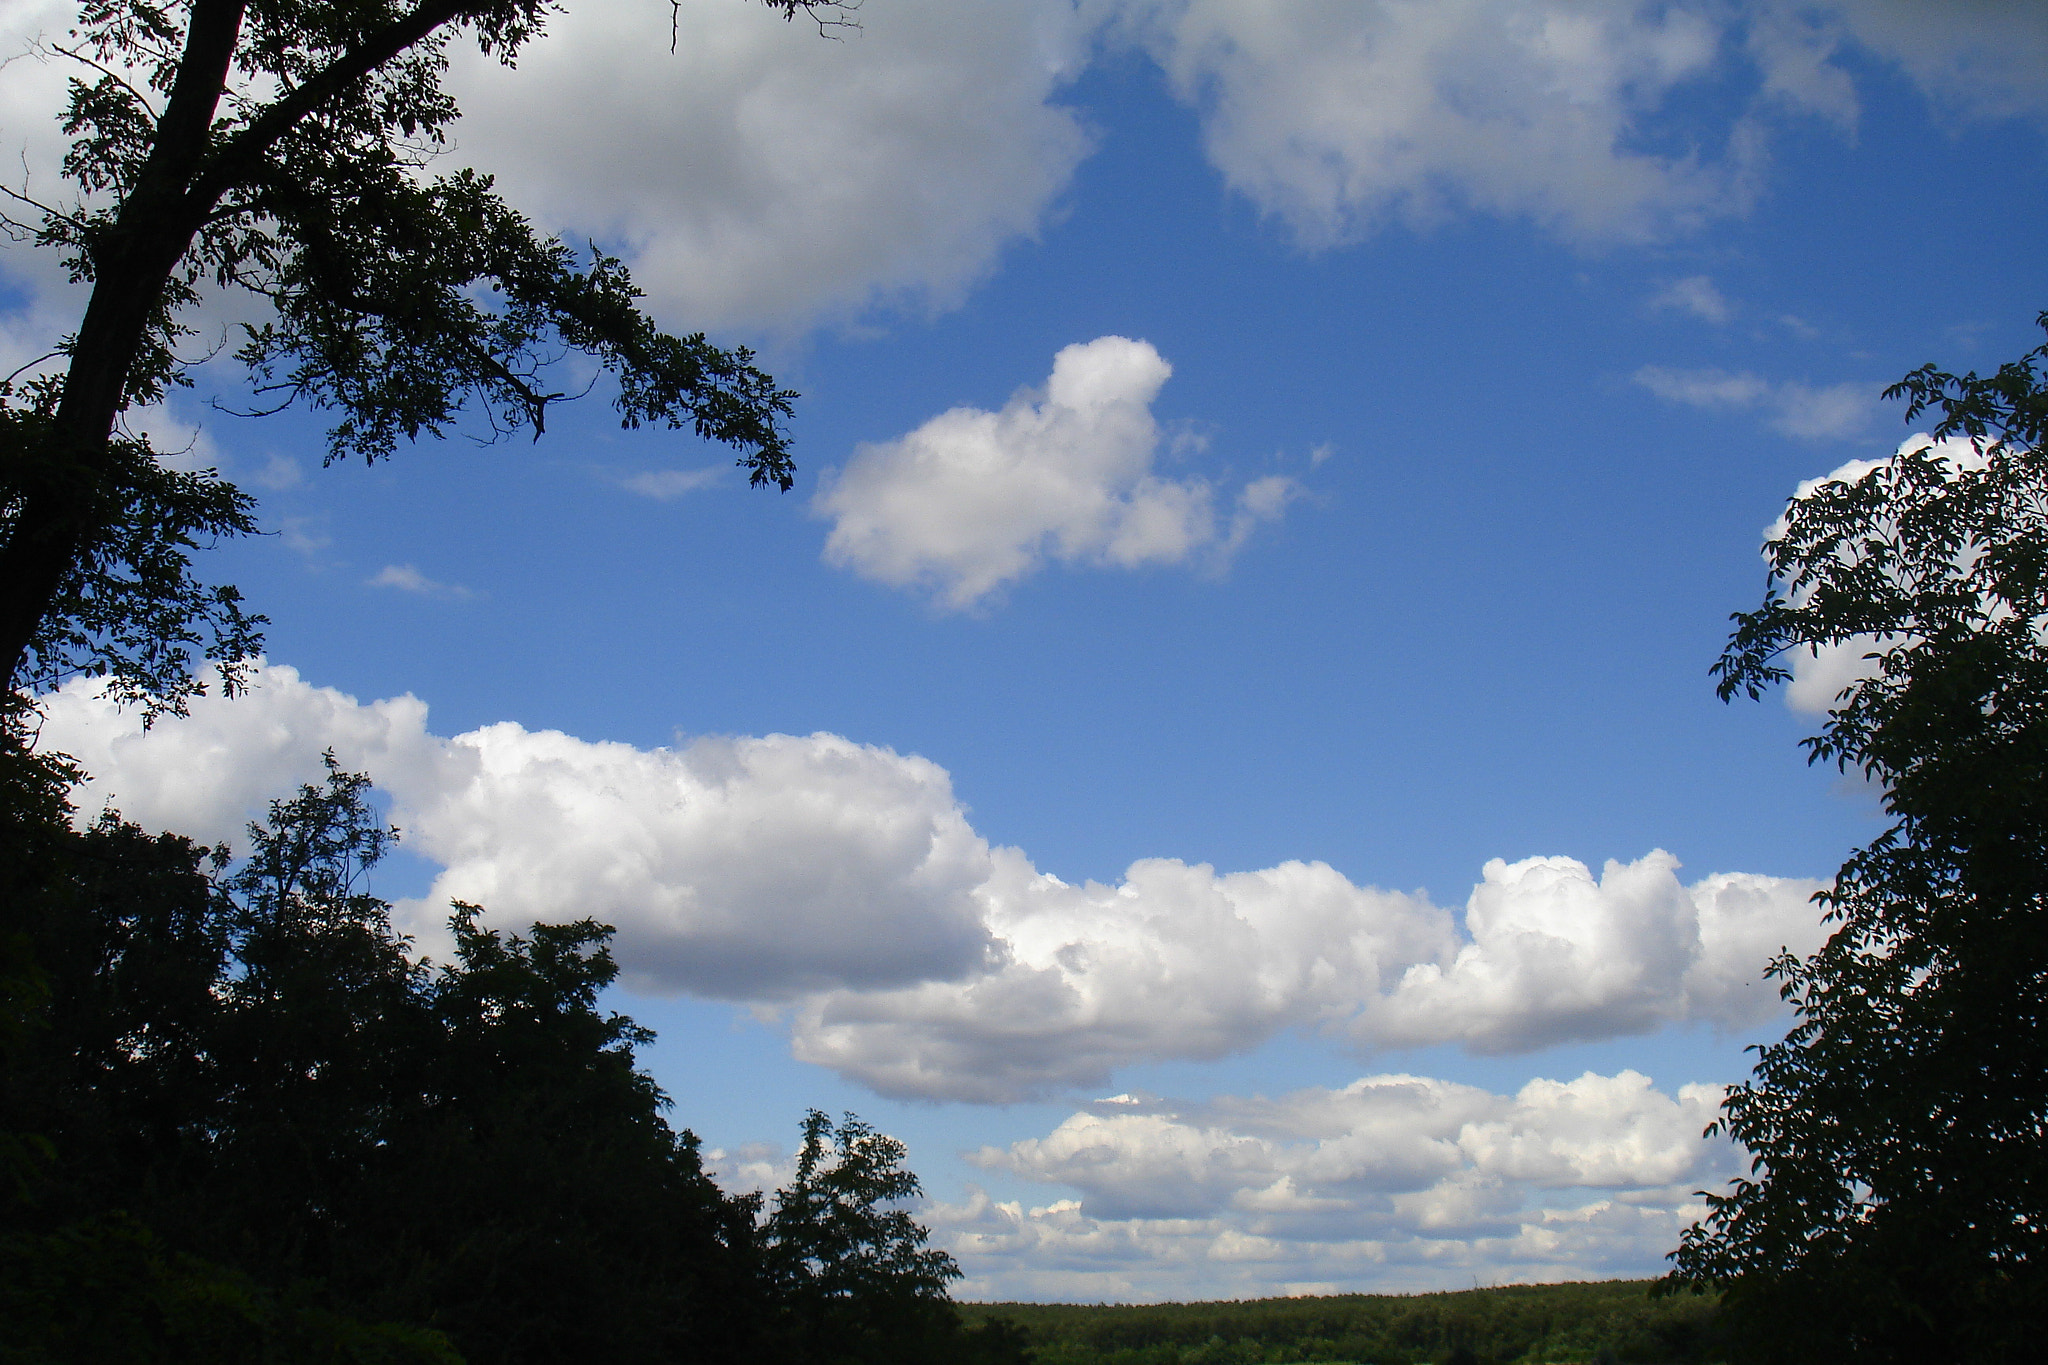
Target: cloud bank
x=974 y=500
x=762 y=177
x=843 y=883
x=1398 y=1178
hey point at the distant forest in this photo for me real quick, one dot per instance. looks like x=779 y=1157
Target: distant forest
x=1616 y=1321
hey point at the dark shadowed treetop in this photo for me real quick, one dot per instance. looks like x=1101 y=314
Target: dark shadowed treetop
x=283 y=148
x=1898 y=1208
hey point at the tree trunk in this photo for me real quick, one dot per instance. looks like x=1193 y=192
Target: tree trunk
x=66 y=486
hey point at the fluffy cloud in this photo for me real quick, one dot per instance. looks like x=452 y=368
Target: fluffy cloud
x=973 y=500
x=737 y=868
x=1812 y=412
x=764 y=176
x=1334 y=115
x=1395 y=1175
x=844 y=881
x=1179 y=961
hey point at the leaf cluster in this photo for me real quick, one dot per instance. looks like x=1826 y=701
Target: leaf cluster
x=130 y=610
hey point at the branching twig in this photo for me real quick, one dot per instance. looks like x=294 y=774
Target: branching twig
x=106 y=71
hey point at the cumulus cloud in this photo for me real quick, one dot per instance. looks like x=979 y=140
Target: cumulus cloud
x=1395 y=1176
x=844 y=881
x=1179 y=961
x=763 y=176
x=1812 y=412
x=736 y=868
x=1555 y=955
x=1334 y=116
x=974 y=500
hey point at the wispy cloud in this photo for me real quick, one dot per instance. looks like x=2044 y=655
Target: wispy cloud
x=406 y=578
x=1814 y=412
x=665 y=485
x=1695 y=294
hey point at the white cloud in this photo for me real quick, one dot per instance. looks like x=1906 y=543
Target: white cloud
x=736 y=868
x=1555 y=955
x=974 y=500
x=761 y=176
x=1811 y=412
x=1982 y=59
x=1394 y=1176
x=1335 y=115
x=1695 y=294
x=1178 y=961
x=407 y=578
x=845 y=881
x=665 y=485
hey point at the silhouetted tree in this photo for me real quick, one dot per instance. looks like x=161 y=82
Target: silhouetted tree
x=281 y=149
x=853 y=1275
x=1898 y=1203
x=239 y=1084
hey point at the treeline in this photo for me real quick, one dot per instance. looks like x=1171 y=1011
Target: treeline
x=1615 y=1321
x=241 y=1124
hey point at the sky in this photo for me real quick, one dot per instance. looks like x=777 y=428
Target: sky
x=1216 y=752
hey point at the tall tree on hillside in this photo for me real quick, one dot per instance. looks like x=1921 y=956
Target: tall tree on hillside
x=1898 y=1203
x=280 y=148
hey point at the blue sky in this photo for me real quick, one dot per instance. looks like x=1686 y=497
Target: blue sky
x=1274 y=476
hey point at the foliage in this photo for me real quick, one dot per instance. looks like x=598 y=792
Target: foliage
x=1611 y=1321
x=245 y=1095
x=105 y=1289
x=282 y=149
x=130 y=609
x=1898 y=1203
x=850 y=1265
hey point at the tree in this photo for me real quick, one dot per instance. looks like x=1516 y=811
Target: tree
x=1897 y=1207
x=256 y=1116
x=852 y=1272
x=281 y=148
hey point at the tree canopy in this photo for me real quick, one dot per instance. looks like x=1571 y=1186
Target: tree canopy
x=284 y=150
x=256 y=1114
x=1898 y=1203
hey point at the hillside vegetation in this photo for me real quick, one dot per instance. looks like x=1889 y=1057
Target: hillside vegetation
x=1611 y=1321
